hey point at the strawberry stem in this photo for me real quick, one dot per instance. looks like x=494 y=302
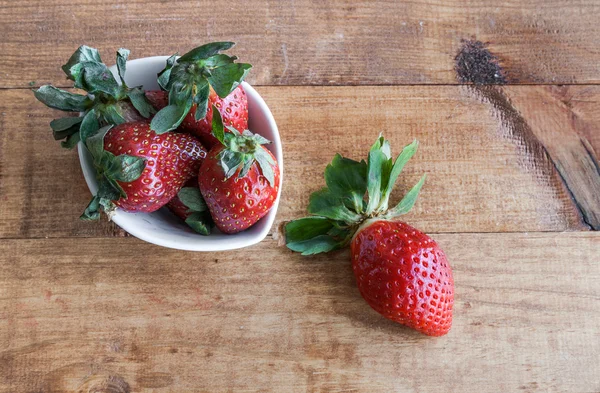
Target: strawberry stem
x=356 y=193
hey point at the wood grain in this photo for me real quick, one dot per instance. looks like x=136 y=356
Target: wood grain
x=480 y=177
x=73 y=319
x=307 y=42
x=573 y=155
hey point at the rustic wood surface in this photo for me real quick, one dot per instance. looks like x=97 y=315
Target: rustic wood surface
x=512 y=195
x=487 y=172
x=312 y=42
x=77 y=318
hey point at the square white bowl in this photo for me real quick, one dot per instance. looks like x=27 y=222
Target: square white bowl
x=162 y=227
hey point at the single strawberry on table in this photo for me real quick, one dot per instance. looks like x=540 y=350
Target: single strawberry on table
x=199 y=80
x=401 y=272
x=239 y=179
x=138 y=170
x=107 y=101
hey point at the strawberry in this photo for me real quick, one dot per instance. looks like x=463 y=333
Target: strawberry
x=107 y=101
x=138 y=170
x=189 y=205
x=233 y=110
x=401 y=272
x=239 y=179
x=404 y=275
x=197 y=81
x=158 y=98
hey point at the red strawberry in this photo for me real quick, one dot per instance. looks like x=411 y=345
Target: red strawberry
x=157 y=98
x=233 y=110
x=140 y=171
x=197 y=81
x=400 y=272
x=404 y=275
x=239 y=180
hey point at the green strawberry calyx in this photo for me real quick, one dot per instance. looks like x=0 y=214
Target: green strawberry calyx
x=107 y=101
x=110 y=170
x=242 y=150
x=199 y=218
x=188 y=80
x=356 y=193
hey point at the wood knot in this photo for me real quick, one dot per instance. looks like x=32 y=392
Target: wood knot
x=104 y=384
x=476 y=64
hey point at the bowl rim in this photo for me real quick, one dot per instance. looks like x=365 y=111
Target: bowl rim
x=236 y=242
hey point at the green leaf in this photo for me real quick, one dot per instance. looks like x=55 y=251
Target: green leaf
x=259 y=139
x=122 y=55
x=95 y=143
x=89 y=125
x=71 y=141
x=226 y=78
x=395 y=171
x=230 y=162
x=266 y=163
x=106 y=162
x=169 y=118
x=181 y=75
x=64 y=128
x=94 y=78
x=180 y=93
x=324 y=203
x=82 y=54
x=200 y=222
x=316 y=245
x=307 y=228
x=376 y=166
x=205 y=51
x=112 y=114
x=192 y=199
x=234 y=132
x=201 y=99
x=92 y=211
x=347 y=179
x=248 y=162
x=107 y=205
x=407 y=202
x=65 y=123
x=58 y=135
x=138 y=99
x=219 y=60
x=165 y=74
x=109 y=189
x=62 y=100
x=217 y=125
x=130 y=168
x=115 y=187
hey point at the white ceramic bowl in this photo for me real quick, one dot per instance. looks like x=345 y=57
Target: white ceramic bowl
x=162 y=227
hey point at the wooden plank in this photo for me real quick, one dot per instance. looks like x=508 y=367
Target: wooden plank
x=42 y=188
x=142 y=317
x=306 y=42
x=481 y=178
x=556 y=131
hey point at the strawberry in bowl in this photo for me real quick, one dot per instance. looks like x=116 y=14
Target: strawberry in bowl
x=134 y=179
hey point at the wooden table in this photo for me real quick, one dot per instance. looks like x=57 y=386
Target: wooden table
x=513 y=196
